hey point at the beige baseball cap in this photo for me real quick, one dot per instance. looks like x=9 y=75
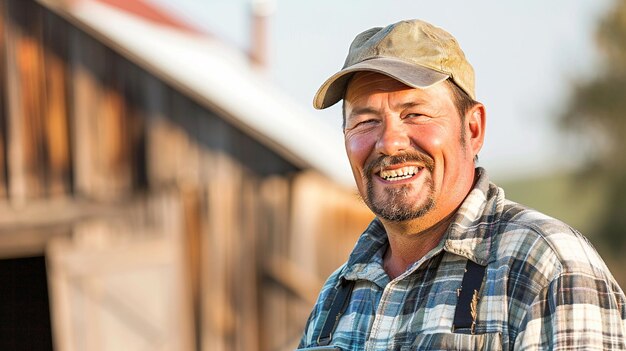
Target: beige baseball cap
x=413 y=52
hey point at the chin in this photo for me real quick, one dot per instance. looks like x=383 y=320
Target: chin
x=399 y=205
x=402 y=213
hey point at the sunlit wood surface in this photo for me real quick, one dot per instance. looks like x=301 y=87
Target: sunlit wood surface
x=164 y=226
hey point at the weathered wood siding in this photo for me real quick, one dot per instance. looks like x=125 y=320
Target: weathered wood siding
x=165 y=226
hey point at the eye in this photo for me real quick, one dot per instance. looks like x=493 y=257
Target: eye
x=363 y=123
x=415 y=116
x=366 y=122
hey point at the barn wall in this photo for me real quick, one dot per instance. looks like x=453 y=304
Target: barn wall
x=123 y=181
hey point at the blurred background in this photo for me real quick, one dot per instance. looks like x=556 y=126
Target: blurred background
x=165 y=183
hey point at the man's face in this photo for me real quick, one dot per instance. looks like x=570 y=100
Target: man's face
x=406 y=148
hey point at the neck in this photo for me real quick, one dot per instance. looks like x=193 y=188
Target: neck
x=410 y=240
x=408 y=243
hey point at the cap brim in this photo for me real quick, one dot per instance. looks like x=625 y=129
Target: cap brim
x=410 y=74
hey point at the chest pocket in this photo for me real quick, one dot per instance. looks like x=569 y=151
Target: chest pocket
x=458 y=342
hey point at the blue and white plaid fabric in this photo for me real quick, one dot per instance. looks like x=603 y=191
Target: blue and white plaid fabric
x=545 y=287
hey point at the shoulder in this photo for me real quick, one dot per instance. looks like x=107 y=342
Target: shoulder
x=567 y=296
x=539 y=239
x=539 y=253
x=555 y=276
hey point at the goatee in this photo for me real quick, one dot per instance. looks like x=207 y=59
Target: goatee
x=396 y=204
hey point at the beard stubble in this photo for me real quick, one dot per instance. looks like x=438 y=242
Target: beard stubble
x=396 y=204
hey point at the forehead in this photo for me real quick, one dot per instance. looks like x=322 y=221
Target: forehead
x=364 y=85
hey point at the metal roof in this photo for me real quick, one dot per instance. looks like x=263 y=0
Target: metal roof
x=218 y=77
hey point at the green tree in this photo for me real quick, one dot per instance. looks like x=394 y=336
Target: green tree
x=597 y=113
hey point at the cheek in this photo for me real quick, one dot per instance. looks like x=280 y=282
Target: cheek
x=358 y=149
x=433 y=140
x=437 y=142
x=444 y=137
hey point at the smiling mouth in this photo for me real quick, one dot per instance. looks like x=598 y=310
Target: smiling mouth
x=394 y=175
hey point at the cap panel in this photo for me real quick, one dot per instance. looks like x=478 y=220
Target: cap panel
x=413 y=52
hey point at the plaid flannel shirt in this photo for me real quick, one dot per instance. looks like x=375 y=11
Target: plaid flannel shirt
x=545 y=287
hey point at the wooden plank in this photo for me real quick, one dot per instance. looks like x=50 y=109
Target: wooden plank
x=218 y=311
x=43 y=213
x=114 y=147
x=30 y=64
x=275 y=328
x=24 y=60
x=85 y=92
x=247 y=264
x=192 y=246
x=30 y=242
x=3 y=103
x=36 y=114
x=55 y=112
x=38 y=151
x=172 y=156
x=103 y=124
x=230 y=270
x=25 y=230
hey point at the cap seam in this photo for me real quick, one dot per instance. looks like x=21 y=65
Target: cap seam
x=441 y=49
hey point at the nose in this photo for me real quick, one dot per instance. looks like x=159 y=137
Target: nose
x=394 y=139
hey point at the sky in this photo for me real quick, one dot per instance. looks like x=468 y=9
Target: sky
x=526 y=54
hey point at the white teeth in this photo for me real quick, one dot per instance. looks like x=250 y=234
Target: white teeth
x=399 y=174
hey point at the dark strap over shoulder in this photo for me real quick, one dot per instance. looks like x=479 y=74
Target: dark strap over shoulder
x=340 y=303
x=467 y=304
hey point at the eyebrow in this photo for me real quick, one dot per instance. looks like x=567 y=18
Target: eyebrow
x=363 y=111
x=409 y=104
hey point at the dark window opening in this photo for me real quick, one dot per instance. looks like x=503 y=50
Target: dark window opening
x=24 y=305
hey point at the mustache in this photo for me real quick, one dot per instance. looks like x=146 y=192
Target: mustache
x=382 y=162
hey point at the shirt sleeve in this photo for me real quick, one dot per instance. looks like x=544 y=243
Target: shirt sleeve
x=576 y=311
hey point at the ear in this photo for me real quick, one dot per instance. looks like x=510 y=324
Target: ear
x=475 y=122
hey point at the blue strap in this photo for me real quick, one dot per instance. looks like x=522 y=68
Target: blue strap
x=467 y=304
x=340 y=303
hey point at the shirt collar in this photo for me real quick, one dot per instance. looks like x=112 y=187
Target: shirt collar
x=366 y=260
x=471 y=232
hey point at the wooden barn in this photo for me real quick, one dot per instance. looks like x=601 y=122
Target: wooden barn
x=156 y=192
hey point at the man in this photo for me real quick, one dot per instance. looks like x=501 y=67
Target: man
x=448 y=263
